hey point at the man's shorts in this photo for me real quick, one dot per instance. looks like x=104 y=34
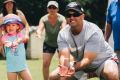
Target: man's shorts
x=99 y=69
x=113 y=59
x=49 y=49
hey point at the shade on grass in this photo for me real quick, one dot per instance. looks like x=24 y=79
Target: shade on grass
x=35 y=67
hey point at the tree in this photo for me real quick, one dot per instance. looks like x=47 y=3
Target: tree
x=95 y=10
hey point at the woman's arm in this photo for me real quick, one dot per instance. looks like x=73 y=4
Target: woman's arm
x=40 y=29
x=86 y=61
x=24 y=20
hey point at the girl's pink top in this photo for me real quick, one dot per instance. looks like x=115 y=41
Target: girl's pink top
x=19 y=35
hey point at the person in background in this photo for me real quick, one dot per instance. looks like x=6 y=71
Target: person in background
x=113 y=24
x=85 y=42
x=52 y=22
x=14 y=50
x=9 y=7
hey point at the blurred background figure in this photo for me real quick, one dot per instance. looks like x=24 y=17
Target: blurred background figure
x=52 y=23
x=113 y=24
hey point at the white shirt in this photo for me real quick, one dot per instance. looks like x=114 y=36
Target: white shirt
x=89 y=39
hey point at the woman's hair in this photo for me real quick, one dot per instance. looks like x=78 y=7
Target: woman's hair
x=4 y=10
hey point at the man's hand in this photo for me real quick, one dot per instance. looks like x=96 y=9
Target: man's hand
x=71 y=71
x=63 y=70
x=66 y=71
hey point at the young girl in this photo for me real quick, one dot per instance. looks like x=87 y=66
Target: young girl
x=14 y=50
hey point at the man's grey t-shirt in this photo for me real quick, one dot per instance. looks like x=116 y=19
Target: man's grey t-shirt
x=89 y=39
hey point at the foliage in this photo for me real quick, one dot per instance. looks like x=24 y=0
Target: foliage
x=95 y=9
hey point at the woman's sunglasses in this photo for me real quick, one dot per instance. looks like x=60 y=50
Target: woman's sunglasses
x=52 y=7
x=75 y=14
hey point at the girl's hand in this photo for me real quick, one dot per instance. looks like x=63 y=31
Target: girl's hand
x=7 y=43
x=14 y=44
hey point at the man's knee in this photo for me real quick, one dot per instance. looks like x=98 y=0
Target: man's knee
x=110 y=70
x=111 y=75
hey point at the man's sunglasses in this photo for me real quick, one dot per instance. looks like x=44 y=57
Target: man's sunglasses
x=75 y=14
x=52 y=7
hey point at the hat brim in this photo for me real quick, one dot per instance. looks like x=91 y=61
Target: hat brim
x=8 y=1
x=52 y=5
x=21 y=25
x=73 y=9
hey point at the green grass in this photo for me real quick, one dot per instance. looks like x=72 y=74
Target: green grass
x=35 y=67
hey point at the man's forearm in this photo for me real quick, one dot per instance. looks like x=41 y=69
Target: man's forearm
x=82 y=64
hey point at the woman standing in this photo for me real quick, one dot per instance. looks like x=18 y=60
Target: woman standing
x=52 y=23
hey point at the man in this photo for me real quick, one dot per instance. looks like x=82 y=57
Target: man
x=85 y=42
x=52 y=23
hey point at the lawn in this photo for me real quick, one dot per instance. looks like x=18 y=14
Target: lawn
x=35 y=67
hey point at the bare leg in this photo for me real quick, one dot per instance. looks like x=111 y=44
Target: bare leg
x=18 y=77
x=47 y=57
x=12 y=76
x=110 y=70
x=25 y=75
x=118 y=55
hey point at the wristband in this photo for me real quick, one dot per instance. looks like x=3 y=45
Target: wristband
x=72 y=63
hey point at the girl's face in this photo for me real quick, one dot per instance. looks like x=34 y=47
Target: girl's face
x=9 y=6
x=12 y=28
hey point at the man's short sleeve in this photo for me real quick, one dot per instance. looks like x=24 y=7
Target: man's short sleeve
x=94 y=43
x=62 y=43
